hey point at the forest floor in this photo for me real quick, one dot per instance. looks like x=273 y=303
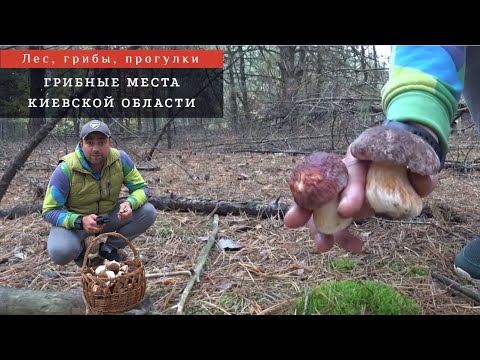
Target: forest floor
x=275 y=264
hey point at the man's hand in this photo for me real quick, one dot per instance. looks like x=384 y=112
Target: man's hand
x=353 y=204
x=125 y=211
x=90 y=224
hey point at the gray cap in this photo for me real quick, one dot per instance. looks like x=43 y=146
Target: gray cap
x=396 y=146
x=92 y=126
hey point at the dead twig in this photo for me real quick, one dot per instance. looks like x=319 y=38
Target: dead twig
x=473 y=295
x=277 y=308
x=449 y=232
x=172 y=273
x=199 y=265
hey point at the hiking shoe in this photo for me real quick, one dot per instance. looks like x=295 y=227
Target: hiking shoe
x=79 y=259
x=112 y=255
x=92 y=260
x=467 y=261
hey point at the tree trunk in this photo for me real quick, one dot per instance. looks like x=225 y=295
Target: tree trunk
x=233 y=92
x=154 y=111
x=20 y=301
x=320 y=66
x=16 y=301
x=37 y=91
x=169 y=203
x=159 y=137
x=37 y=114
x=363 y=62
x=292 y=71
x=244 y=87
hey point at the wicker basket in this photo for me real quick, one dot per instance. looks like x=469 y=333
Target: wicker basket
x=110 y=296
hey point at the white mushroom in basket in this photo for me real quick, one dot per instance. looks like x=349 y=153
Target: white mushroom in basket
x=103 y=273
x=112 y=266
x=100 y=269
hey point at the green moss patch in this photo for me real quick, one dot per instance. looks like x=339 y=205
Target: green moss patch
x=350 y=297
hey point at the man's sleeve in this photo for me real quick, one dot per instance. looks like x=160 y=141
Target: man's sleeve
x=425 y=84
x=137 y=187
x=58 y=189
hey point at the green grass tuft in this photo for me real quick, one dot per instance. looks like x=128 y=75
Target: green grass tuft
x=342 y=265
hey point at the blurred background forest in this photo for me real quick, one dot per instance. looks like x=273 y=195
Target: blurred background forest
x=276 y=98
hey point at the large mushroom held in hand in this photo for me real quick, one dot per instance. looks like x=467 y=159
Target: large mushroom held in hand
x=393 y=152
x=315 y=185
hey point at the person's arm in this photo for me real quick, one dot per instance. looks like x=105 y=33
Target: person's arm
x=424 y=86
x=136 y=185
x=53 y=210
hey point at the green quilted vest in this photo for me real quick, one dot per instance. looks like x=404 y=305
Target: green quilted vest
x=89 y=196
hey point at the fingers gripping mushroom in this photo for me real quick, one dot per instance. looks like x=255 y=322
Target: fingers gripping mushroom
x=393 y=152
x=315 y=184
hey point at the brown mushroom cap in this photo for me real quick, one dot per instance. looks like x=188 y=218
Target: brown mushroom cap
x=318 y=179
x=396 y=146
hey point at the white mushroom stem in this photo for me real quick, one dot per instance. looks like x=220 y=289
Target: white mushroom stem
x=327 y=220
x=390 y=193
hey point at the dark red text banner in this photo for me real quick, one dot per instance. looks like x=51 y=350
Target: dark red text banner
x=124 y=59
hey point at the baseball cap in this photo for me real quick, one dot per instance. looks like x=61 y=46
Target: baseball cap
x=92 y=126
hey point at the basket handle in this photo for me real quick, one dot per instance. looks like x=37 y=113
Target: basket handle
x=96 y=239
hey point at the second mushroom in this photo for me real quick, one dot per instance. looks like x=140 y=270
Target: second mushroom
x=393 y=152
x=316 y=183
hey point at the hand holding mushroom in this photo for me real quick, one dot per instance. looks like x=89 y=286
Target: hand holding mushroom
x=316 y=184
x=392 y=195
x=395 y=155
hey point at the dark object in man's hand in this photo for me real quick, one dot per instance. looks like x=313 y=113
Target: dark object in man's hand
x=102 y=219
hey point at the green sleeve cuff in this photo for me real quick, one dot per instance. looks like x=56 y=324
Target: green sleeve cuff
x=72 y=218
x=132 y=202
x=423 y=108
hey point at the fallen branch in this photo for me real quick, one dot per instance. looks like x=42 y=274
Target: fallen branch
x=272 y=151
x=19 y=211
x=473 y=295
x=199 y=265
x=156 y=168
x=462 y=166
x=173 y=273
x=221 y=207
x=171 y=203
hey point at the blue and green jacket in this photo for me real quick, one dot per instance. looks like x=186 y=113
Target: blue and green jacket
x=76 y=189
x=425 y=84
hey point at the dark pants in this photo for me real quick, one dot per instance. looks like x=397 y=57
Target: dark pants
x=471 y=91
x=65 y=245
